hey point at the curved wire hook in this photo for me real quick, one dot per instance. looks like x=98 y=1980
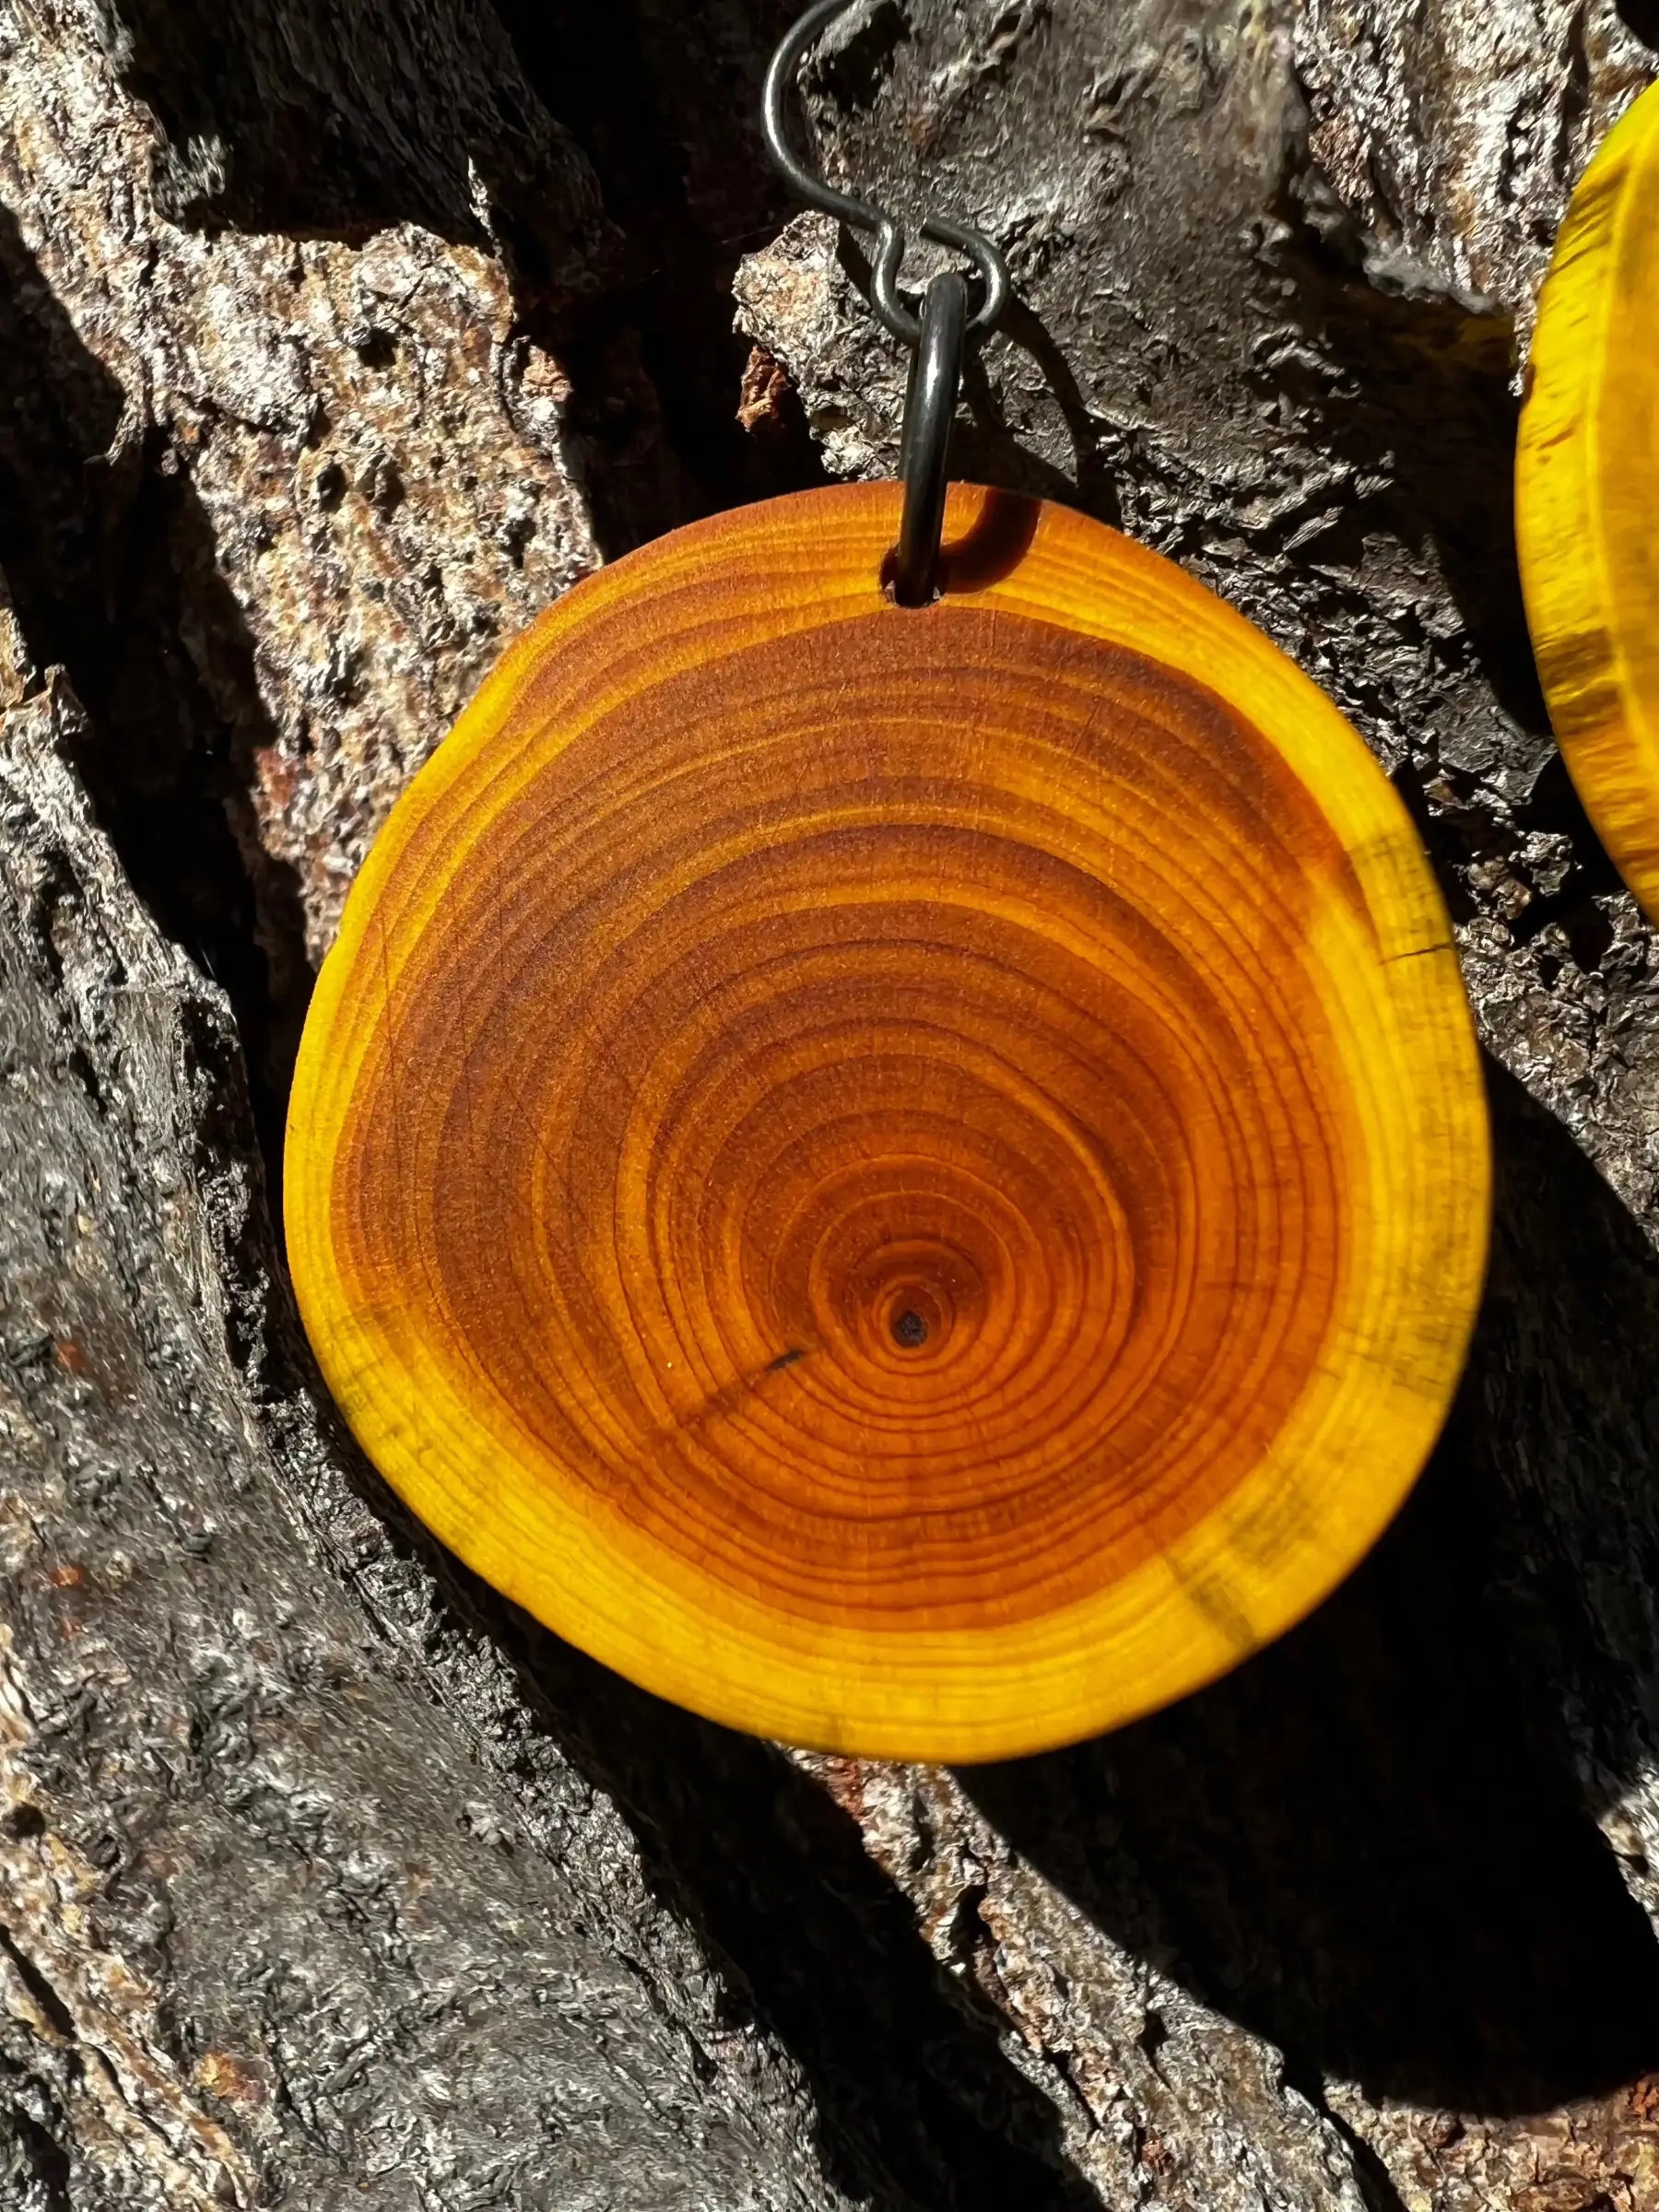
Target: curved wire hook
x=890 y=238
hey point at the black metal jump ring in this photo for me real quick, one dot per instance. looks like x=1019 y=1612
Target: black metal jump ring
x=938 y=334
x=888 y=252
x=930 y=401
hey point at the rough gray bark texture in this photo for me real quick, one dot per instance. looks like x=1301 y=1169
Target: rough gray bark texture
x=272 y=1926
x=334 y=341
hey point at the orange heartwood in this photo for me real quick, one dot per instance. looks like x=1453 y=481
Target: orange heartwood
x=915 y=1180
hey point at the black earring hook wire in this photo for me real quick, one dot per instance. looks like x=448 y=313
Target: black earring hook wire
x=939 y=333
x=889 y=239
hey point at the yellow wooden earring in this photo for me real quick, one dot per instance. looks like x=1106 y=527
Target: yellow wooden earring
x=912 y=1177
x=1587 y=465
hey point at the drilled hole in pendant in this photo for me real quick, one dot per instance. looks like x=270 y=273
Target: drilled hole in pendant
x=910 y=1330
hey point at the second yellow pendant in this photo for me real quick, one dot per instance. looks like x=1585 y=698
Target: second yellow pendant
x=1587 y=513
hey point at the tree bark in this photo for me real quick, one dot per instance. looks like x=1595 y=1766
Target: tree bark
x=334 y=342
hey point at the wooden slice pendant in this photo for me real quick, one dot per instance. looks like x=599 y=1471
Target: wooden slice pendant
x=915 y=1180
x=1587 y=506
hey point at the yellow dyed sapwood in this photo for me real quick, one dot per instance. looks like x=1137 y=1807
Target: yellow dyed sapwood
x=1587 y=465
x=915 y=1180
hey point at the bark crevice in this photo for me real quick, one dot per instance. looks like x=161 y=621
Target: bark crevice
x=112 y=570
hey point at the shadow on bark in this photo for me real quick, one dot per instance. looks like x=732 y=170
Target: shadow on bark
x=337 y=120
x=984 y=448
x=919 y=2108
x=110 y=561
x=1369 y=1844
x=1428 y=416
x=670 y=125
